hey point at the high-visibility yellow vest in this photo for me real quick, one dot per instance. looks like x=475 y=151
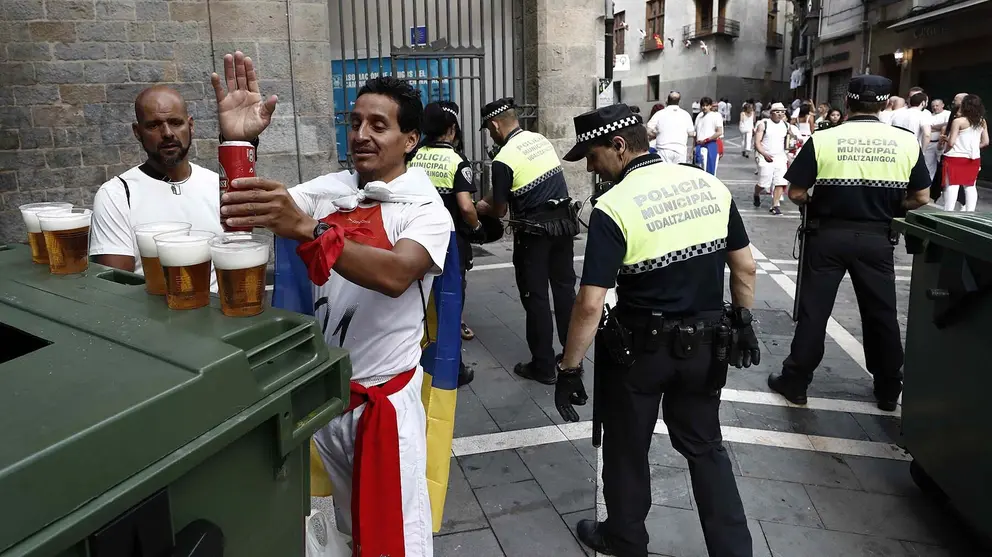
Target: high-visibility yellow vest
x=865 y=153
x=667 y=213
x=440 y=164
x=532 y=158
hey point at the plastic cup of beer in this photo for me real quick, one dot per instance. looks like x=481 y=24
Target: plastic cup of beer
x=36 y=238
x=67 y=239
x=150 y=265
x=185 y=259
x=239 y=261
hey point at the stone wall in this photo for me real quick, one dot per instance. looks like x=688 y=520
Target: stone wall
x=565 y=66
x=70 y=70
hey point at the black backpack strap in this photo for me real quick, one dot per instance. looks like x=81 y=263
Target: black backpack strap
x=127 y=191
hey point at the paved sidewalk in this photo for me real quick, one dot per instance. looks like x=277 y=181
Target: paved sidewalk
x=826 y=480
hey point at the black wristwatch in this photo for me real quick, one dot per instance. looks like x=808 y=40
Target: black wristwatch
x=320 y=229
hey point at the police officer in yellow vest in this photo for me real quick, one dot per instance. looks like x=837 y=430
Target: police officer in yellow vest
x=863 y=174
x=527 y=177
x=662 y=236
x=451 y=175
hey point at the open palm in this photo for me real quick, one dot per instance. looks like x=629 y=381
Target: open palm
x=241 y=111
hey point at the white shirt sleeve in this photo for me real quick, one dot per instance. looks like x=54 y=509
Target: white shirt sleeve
x=653 y=122
x=689 y=128
x=110 y=231
x=430 y=226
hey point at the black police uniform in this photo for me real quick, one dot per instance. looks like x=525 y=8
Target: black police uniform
x=540 y=259
x=670 y=301
x=861 y=171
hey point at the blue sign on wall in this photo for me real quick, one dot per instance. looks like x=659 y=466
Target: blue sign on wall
x=426 y=75
x=418 y=35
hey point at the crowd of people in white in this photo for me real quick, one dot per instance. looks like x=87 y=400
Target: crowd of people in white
x=951 y=137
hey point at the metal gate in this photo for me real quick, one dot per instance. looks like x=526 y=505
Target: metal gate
x=466 y=51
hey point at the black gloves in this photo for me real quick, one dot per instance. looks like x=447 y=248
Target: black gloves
x=477 y=236
x=744 y=349
x=569 y=391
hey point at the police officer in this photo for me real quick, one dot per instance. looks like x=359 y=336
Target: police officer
x=864 y=174
x=451 y=175
x=663 y=236
x=527 y=177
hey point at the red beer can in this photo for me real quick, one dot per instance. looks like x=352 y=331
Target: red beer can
x=237 y=160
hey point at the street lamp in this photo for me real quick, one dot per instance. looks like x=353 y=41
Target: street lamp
x=899 y=55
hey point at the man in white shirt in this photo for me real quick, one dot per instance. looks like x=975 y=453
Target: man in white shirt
x=166 y=187
x=722 y=109
x=372 y=241
x=938 y=125
x=709 y=128
x=770 y=140
x=894 y=104
x=915 y=119
x=672 y=130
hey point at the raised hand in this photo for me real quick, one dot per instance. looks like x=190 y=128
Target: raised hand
x=241 y=111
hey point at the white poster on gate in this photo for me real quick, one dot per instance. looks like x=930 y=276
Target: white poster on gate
x=604 y=97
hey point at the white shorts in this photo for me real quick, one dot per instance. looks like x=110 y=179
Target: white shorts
x=771 y=174
x=336 y=445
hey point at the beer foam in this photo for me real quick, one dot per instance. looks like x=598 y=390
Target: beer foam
x=30 y=213
x=65 y=219
x=145 y=234
x=183 y=251
x=239 y=255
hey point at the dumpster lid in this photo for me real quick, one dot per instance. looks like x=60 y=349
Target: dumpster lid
x=970 y=233
x=92 y=393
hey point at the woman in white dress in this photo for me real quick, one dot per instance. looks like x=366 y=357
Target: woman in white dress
x=746 y=128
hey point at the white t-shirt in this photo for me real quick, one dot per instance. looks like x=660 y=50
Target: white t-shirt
x=773 y=140
x=382 y=334
x=941 y=119
x=673 y=127
x=911 y=120
x=885 y=116
x=196 y=201
x=707 y=124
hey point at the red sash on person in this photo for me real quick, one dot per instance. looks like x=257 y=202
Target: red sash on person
x=376 y=492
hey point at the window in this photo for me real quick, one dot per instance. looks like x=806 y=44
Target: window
x=772 y=17
x=653 y=86
x=617 y=90
x=619 y=32
x=655 y=16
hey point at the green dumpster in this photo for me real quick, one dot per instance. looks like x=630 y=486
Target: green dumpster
x=130 y=430
x=945 y=419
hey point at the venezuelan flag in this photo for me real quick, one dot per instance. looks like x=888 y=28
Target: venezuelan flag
x=441 y=346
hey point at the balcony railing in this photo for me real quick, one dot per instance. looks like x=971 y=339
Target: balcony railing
x=653 y=43
x=720 y=26
x=775 y=41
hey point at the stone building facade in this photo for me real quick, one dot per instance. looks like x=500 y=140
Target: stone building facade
x=746 y=50
x=70 y=70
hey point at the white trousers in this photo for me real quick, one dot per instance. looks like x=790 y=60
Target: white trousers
x=746 y=138
x=336 y=445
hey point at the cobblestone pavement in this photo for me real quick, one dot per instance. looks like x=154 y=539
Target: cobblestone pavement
x=825 y=480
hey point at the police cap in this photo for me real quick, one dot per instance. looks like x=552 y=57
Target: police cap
x=869 y=88
x=597 y=123
x=494 y=109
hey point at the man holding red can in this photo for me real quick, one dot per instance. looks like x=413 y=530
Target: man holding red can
x=373 y=241
x=167 y=187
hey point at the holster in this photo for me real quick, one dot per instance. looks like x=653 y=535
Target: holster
x=616 y=339
x=557 y=218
